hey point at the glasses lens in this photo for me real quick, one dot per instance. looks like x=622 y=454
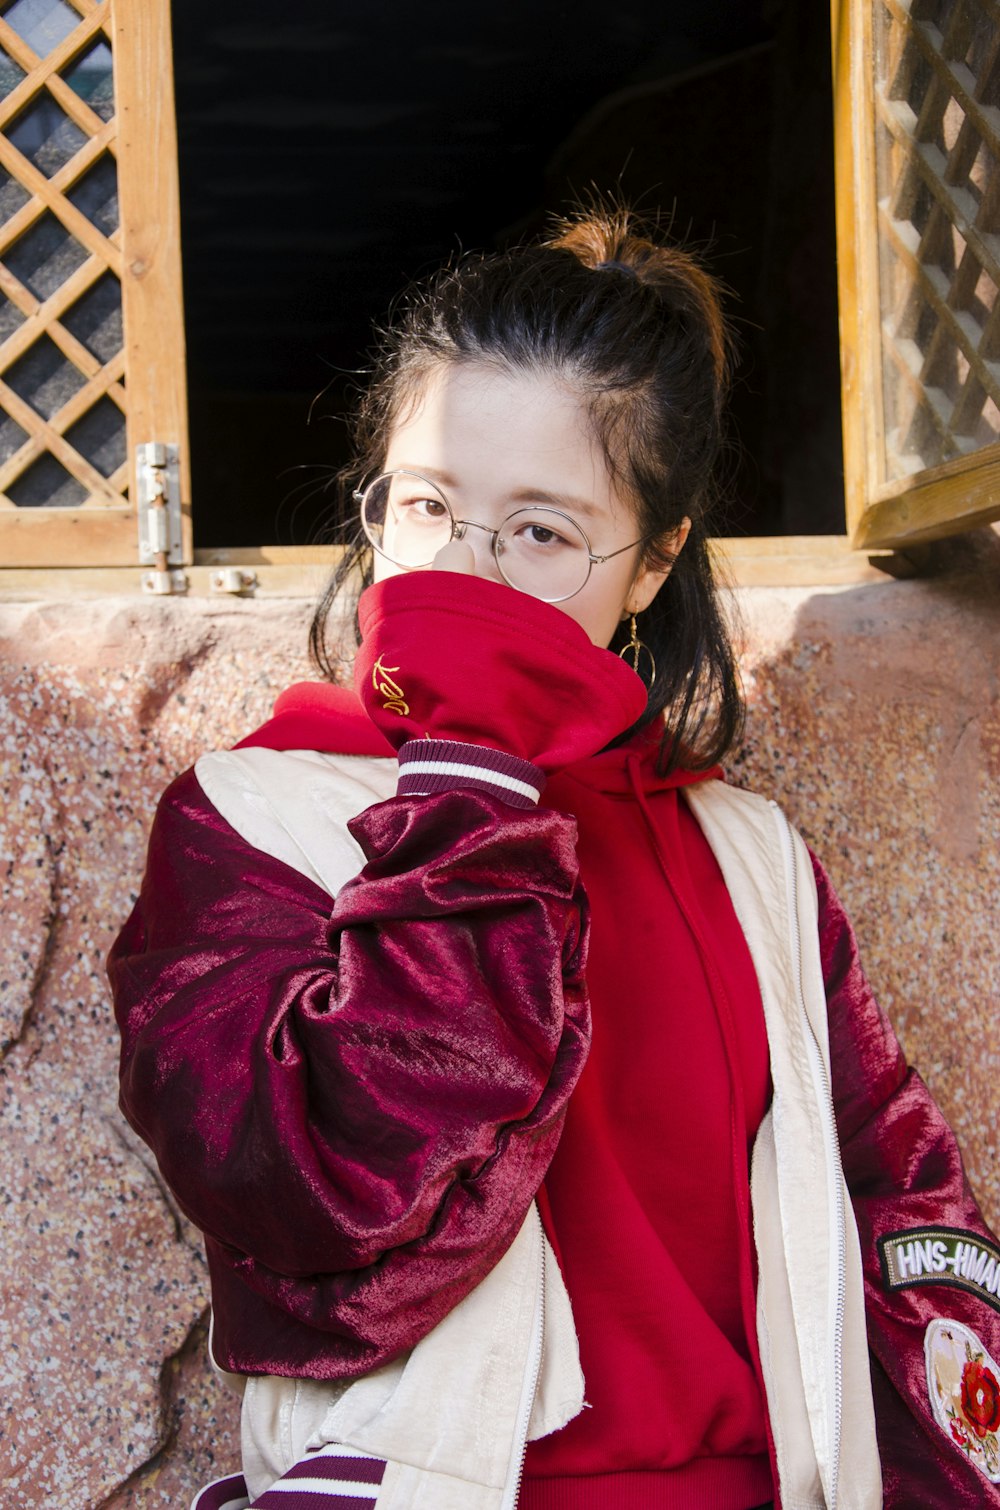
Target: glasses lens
x=406 y=518
x=542 y=552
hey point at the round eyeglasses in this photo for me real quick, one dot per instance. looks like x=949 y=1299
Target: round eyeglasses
x=539 y=550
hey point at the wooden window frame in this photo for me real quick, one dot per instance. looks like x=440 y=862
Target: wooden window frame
x=944 y=500
x=101 y=542
x=144 y=253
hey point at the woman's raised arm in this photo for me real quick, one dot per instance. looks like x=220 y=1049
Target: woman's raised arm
x=357 y=1099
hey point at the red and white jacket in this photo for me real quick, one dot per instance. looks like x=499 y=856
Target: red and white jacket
x=355 y=1079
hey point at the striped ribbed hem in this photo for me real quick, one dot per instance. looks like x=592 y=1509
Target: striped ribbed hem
x=333 y=1478
x=444 y=765
x=223 y=1494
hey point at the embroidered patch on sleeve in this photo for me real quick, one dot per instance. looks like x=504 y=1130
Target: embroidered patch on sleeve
x=941 y=1256
x=962 y=1382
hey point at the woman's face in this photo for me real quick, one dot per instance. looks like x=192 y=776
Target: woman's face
x=494 y=442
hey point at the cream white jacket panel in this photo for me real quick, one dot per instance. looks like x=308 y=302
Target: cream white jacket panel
x=810 y=1298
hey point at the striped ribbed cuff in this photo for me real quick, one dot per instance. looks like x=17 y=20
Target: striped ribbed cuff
x=443 y=765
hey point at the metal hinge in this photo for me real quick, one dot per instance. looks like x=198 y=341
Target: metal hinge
x=158 y=505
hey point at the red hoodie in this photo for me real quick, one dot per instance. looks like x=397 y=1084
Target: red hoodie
x=649 y=1188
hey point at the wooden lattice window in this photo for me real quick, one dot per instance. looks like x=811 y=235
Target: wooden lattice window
x=917 y=90
x=91 y=332
x=89 y=273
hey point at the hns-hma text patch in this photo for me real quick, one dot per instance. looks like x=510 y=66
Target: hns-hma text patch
x=941 y=1256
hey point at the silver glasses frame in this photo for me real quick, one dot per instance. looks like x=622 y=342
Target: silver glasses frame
x=460 y=526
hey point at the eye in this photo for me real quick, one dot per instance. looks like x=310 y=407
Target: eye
x=538 y=536
x=421 y=507
x=429 y=508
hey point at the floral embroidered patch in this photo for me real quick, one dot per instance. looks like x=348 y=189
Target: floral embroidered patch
x=963 y=1382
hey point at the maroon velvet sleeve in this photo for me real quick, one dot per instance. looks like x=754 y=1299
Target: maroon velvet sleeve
x=355 y=1101
x=904 y=1172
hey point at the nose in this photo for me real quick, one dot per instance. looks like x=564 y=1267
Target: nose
x=456 y=556
x=470 y=551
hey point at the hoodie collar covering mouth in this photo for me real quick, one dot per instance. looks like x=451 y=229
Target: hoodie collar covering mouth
x=331 y=719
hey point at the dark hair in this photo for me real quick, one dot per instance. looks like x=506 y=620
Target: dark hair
x=637 y=329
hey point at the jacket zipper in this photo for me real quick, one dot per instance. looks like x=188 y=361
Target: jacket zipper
x=835 y=1197
x=529 y=1385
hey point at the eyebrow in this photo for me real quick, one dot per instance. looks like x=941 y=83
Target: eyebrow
x=566 y=501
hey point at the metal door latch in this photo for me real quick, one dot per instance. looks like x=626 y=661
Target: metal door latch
x=158 y=506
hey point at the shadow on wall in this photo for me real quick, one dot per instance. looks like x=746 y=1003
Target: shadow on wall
x=875 y=716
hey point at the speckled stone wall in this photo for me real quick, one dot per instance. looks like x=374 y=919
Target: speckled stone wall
x=875 y=716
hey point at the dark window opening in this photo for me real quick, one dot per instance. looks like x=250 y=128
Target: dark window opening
x=328 y=155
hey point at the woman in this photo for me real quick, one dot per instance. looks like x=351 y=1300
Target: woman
x=507 y=1058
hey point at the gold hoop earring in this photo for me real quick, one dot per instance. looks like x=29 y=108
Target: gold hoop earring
x=637 y=648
